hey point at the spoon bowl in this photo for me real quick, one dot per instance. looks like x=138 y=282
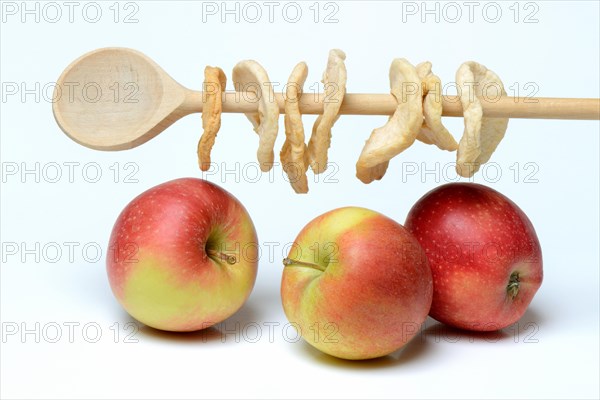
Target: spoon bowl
x=115 y=99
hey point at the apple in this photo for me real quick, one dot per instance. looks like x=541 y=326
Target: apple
x=183 y=256
x=484 y=254
x=356 y=284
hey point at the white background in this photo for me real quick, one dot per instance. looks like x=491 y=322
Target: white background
x=551 y=353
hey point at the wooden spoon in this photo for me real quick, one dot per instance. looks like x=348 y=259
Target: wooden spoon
x=117 y=98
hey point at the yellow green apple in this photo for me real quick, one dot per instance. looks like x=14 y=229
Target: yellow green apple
x=356 y=284
x=183 y=255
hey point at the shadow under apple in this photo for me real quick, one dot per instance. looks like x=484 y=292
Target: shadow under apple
x=432 y=333
x=249 y=313
x=413 y=350
x=524 y=329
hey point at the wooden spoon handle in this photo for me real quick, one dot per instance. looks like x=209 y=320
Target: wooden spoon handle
x=385 y=104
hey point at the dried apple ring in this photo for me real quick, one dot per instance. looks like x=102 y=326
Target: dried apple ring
x=294 y=154
x=250 y=76
x=402 y=127
x=433 y=131
x=213 y=88
x=334 y=80
x=481 y=135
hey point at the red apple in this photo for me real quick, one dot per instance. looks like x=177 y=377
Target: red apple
x=183 y=255
x=484 y=254
x=356 y=284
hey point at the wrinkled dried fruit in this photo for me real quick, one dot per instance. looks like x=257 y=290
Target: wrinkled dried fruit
x=481 y=135
x=294 y=154
x=214 y=85
x=432 y=130
x=334 y=80
x=250 y=77
x=400 y=130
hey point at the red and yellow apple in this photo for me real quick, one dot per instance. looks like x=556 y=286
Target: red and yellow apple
x=484 y=254
x=184 y=255
x=356 y=284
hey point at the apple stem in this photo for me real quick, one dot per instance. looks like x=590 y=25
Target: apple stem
x=222 y=256
x=290 y=261
x=513 y=285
